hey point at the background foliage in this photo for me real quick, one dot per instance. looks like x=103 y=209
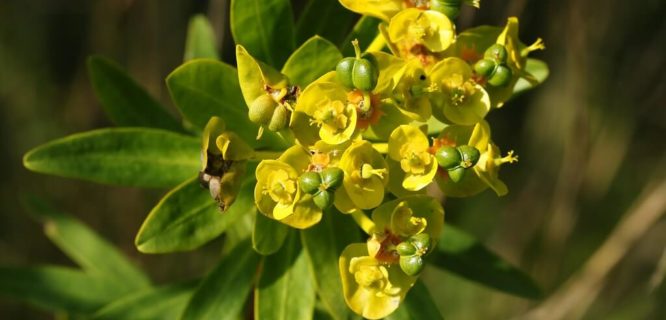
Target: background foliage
x=590 y=141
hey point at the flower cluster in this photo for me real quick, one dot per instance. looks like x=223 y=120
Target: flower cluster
x=374 y=134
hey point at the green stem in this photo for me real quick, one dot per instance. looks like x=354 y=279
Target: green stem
x=381 y=147
x=357 y=49
x=377 y=43
x=363 y=221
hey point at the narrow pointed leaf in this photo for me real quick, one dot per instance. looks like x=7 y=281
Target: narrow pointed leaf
x=460 y=253
x=90 y=251
x=165 y=303
x=538 y=69
x=200 y=41
x=323 y=243
x=204 y=88
x=417 y=305
x=222 y=294
x=58 y=289
x=187 y=217
x=123 y=100
x=312 y=60
x=268 y=235
x=138 y=157
x=365 y=30
x=265 y=28
x=285 y=290
x=326 y=18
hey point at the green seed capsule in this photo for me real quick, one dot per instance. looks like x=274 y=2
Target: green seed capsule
x=310 y=182
x=448 y=157
x=485 y=67
x=261 y=109
x=332 y=178
x=280 y=119
x=421 y=242
x=323 y=199
x=501 y=77
x=470 y=156
x=406 y=249
x=451 y=8
x=364 y=75
x=344 y=71
x=411 y=265
x=456 y=174
x=496 y=52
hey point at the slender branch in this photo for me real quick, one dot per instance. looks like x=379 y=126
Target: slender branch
x=363 y=221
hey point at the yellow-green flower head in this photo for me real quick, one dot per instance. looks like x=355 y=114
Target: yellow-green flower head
x=366 y=175
x=277 y=193
x=409 y=146
x=459 y=99
x=327 y=106
x=411 y=89
x=409 y=216
x=371 y=288
x=488 y=166
x=224 y=158
x=421 y=35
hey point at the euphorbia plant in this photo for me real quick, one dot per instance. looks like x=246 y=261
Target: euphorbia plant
x=315 y=148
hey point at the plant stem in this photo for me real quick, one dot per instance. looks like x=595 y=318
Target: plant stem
x=377 y=44
x=363 y=221
x=381 y=147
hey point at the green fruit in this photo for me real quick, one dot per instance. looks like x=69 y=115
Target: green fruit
x=421 y=242
x=261 y=109
x=411 y=265
x=496 y=52
x=470 y=156
x=364 y=75
x=485 y=67
x=323 y=199
x=448 y=157
x=332 y=178
x=501 y=77
x=451 y=8
x=310 y=182
x=406 y=249
x=344 y=71
x=280 y=119
x=456 y=174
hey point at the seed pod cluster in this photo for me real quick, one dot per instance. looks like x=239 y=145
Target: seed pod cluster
x=360 y=72
x=457 y=159
x=493 y=66
x=322 y=185
x=412 y=251
x=265 y=111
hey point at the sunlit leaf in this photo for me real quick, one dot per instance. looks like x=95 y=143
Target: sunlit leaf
x=312 y=60
x=139 y=157
x=200 y=41
x=365 y=30
x=460 y=253
x=123 y=100
x=224 y=291
x=268 y=235
x=326 y=18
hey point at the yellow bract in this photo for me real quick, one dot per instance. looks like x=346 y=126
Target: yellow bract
x=411 y=215
x=488 y=168
x=409 y=146
x=416 y=33
x=366 y=175
x=382 y=9
x=411 y=89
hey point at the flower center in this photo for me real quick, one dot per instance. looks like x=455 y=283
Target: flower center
x=280 y=187
x=332 y=116
x=459 y=89
x=403 y=222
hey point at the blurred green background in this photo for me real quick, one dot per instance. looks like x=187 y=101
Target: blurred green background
x=591 y=142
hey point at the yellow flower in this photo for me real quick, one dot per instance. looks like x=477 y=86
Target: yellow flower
x=411 y=89
x=366 y=176
x=420 y=34
x=409 y=216
x=409 y=146
x=488 y=166
x=382 y=9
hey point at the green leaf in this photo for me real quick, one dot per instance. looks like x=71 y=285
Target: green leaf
x=94 y=254
x=223 y=293
x=265 y=28
x=58 y=289
x=417 y=305
x=312 y=60
x=138 y=157
x=268 y=235
x=323 y=244
x=205 y=88
x=200 y=41
x=538 y=69
x=123 y=100
x=460 y=253
x=326 y=18
x=165 y=303
x=285 y=290
x=187 y=217
x=365 y=30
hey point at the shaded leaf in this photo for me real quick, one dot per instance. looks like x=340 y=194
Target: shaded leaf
x=224 y=291
x=188 y=217
x=166 y=302
x=538 y=69
x=460 y=253
x=265 y=28
x=123 y=100
x=323 y=244
x=285 y=291
x=326 y=18
x=417 y=305
x=93 y=253
x=200 y=41
x=58 y=289
x=312 y=60
x=268 y=234
x=138 y=157
x=365 y=30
